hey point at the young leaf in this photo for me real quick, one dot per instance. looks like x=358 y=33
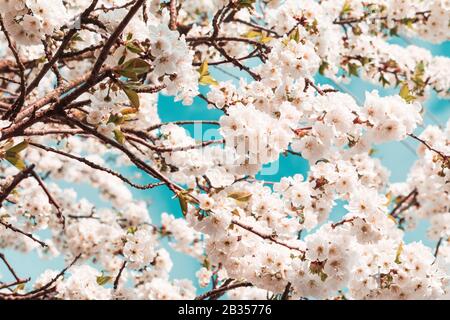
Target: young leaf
x=119 y=136
x=133 y=68
x=121 y=60
x=203 y=70
x=132 y=230
x=419 y=72
x=18 y=147
x=405 y=93
x=76 y=37
x=127 y=111
x=127 y=73
x=394 y=31
x=116 y=119
x=137 y=65
x=133 y=47
x=353 y=69
x=183 y=203
x=399 y=252
x=15 y=160
x=205 y=78
x=240 y=196
x=346 y=8
x=12 y=155
x=265 y=39
x=133 y=96
x=246 y=4
x=102 y=280
x=324 y=66
x=252 y=34
x=295 y=35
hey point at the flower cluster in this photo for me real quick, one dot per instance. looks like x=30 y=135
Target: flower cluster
x=138 y=248
x=173 y=61
x=31 y=20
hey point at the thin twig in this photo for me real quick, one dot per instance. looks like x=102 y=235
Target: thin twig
x=51 y=199
x=223 y=289
x=116 y=281
x=97 y=167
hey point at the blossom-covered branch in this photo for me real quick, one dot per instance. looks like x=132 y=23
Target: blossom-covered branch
x=80 y=83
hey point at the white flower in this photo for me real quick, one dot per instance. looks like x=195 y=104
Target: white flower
x=317 y=249
x=310 y=148
x=107 y=129
x=206 y=202
x=82 y=285
x=139 y=249
x=204 y=277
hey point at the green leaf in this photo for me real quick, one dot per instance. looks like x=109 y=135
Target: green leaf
x=127 y=111
x=133 y=47
x=18 y=147
x=203 y=70
x=394 y=31
x=353 y=69
x=206 y=80
x=119 y=136
x=12 y=155
x=398 y=254
x=102 y=280
x=312 y=28
x=365 y=60
x=252 y=34
x=323 y=66
x=128 y=74
x=346 y=8
x=133 y=96
x=137 y=65
x=133 y=68
x=405 y=93
x=76 y=37
x=132 y=230
x=15 y=160
x=122 y=60
x=260 y=36
x=240 y=196
x=419 y=72
x=408 y=22
x=295 y=35
x=246 y=4
x=116 y=119
x=183 y=203
x=206 y=263
x=420 y=69
x=265 y=39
